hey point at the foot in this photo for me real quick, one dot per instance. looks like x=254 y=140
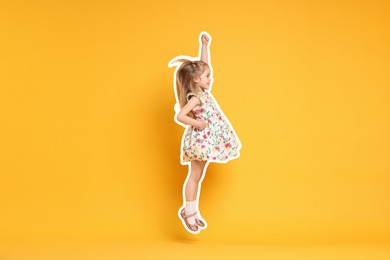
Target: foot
x=192 y=227
x=200 y=222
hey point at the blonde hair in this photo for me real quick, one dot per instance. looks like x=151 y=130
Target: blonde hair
x=186 y=73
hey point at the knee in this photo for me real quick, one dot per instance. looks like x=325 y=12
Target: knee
x=196 y=176
x=197 y=171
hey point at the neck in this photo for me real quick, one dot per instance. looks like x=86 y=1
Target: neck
x=199 y=90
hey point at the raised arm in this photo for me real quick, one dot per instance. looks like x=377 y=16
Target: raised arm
x=204 y=48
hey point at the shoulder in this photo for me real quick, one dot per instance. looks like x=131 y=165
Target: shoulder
x=193 y=98
x=191 y=94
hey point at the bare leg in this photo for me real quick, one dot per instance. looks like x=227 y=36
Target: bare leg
x=202 y=173
x=191 y=188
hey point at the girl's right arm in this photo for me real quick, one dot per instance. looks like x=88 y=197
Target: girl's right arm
x=204 y=56
x=183 y=117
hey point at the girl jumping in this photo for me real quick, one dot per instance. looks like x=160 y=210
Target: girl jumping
x=208 y=137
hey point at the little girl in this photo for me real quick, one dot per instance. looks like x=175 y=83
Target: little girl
x=208 y=137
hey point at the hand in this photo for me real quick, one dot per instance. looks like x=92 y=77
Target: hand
x=205 y=39
x=201 y=125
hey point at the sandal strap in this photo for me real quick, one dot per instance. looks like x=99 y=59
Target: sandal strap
x=190 y=215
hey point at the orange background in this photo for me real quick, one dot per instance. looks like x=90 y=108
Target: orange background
x=90 y=149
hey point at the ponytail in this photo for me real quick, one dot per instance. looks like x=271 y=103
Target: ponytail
x=185 y=76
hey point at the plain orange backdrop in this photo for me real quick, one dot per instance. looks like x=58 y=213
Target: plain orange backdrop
x=90 y=149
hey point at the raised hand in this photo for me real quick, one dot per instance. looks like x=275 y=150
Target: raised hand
x=205 y=39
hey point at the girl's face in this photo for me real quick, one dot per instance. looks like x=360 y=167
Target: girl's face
x=204 y=80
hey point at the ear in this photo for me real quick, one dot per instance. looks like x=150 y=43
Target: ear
x=196 y=79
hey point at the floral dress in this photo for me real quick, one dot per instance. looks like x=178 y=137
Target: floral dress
x=217 y=142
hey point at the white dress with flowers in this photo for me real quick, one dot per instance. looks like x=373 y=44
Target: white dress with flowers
x=217 y=142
